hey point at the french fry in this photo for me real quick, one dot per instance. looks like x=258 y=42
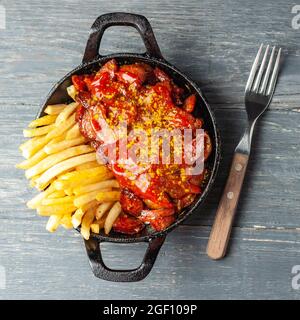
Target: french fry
x=60 y=185
x=43 y=121
x=53 y=159
x=82 y=174
x=95 y=228
x=34 y=145
x=66 y=221
x=55 y=109
x=77 y=217
x=101 y=221
x=57 y=194
x=58 y=156
x=54 y=201
x=97 y=225
x=28 y=143
x=62 y=128
x=63 y=166
x=53 y=223
x=86 y=223
x=90 y=205
x=35 y=159
x=96 y=186
x=102 y=209
x=101 y=177
x=68 y=191
x=63 y=145
x=33 y=181
x=78 y=214
x=112 y=217
x=108 y=196
x=37 y=200
x=58 y=209
x=65 y=184
x=56 y=139
x=85 y=198
x=40 y=131
x=74 y=132
x=65 y=113
x=72 y=179
x=88 y=165
x=72 y=92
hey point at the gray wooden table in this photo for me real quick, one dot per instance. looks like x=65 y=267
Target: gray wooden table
x=214 y=42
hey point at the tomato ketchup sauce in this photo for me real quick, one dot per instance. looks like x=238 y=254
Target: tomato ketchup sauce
x=143 y=99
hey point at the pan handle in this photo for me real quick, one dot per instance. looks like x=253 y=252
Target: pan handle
x=101 y=271
x=105 y=21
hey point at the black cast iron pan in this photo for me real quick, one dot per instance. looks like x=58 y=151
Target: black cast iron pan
x=93 y=60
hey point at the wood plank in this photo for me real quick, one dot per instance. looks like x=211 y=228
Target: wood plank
x=40 y=265
x=213 y=43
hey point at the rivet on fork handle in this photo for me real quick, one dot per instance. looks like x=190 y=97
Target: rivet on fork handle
x=219 y=237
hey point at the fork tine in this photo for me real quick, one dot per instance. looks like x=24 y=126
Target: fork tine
x=274 y=74
x=261 y=70
x=253 y=69
x=268 y=71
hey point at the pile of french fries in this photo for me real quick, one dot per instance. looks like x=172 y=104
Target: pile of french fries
x=75 y=189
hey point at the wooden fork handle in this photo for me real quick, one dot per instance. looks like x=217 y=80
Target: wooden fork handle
x=220 y=233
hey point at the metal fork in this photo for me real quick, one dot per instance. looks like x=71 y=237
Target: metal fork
x=259 y=91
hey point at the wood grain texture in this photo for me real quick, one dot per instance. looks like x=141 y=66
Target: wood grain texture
x=206 y=39
x=225 y=214
x=41 y=265
x=214 y=42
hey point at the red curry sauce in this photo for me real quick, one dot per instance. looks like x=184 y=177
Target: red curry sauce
x=144 y=98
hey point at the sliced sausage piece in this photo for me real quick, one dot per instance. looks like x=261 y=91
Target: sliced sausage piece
x=139 y=72
x=158 y=219
x=128 y=225
x=185 y=201
x=110 y=66
x=130 y=203
x=189 y=103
